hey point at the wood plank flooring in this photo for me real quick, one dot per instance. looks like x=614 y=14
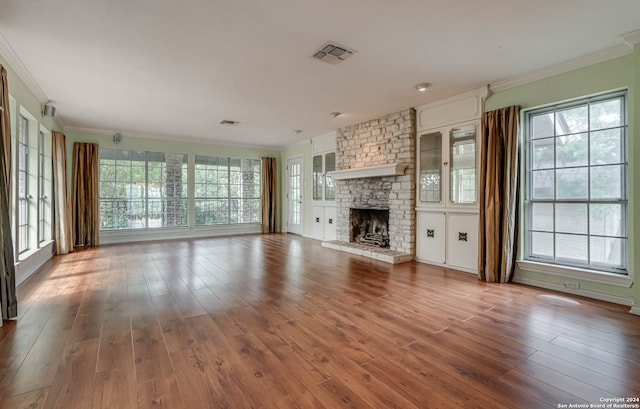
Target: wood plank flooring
x=277 y=321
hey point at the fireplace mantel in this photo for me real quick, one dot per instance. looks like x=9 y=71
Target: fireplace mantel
x=393 y=169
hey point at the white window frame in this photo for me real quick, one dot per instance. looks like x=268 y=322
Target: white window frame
x=147 y=196
x=22 y=200
x=616 y=275
x=228 y=198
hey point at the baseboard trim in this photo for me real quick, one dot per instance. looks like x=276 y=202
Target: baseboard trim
x=585 y=293
x=635 y=309
x=27 y=267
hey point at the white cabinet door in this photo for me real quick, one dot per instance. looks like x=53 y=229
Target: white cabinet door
x=462 y=241
x=317 y=212
x=430 y=236
x=329 y=223
x=324 y=222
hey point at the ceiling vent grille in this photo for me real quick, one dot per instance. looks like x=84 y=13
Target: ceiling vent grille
x=332 y=53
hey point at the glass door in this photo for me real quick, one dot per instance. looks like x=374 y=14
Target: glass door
x=294 y=195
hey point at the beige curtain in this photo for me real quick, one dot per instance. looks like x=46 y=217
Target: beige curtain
x=498 y=197
x=8 y=302
x=63 y=231
x=269 y=195
x=86 y=216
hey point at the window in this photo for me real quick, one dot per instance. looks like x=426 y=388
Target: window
x=227 y=190
x=576 y=177
x=141 y=190
x=23 y=185
x=42 y=193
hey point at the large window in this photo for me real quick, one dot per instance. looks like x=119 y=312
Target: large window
x=23 y=185
x=140 y=190
x=227 y=190
x=576 y=194
x=44 y=187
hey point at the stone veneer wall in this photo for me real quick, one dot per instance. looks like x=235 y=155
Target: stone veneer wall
x=383 y=141
x=173 y=188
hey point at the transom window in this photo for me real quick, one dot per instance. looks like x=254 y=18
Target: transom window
x=576 y=184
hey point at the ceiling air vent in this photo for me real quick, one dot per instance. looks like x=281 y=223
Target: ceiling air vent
x=229 y=122
x=332 y=53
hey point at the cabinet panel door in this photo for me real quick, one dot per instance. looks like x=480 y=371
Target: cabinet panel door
x=430 y=236
x=329 y=223
x=462 y=241
x=317 y=212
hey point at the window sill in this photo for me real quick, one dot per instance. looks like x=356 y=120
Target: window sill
x=617 y=280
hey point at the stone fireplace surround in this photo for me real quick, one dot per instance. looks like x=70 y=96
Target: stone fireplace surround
x=390 y=140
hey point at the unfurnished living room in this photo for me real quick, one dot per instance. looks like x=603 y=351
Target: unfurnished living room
x=329 y=204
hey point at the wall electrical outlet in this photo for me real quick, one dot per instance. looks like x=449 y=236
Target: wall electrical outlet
x=572 y=284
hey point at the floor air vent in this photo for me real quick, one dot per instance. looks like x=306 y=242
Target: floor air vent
x=332 y=53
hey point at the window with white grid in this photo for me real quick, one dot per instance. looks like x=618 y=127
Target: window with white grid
x=576 y=184
x=227 y=190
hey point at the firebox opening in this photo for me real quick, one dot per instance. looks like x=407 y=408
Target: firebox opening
x=369 y=227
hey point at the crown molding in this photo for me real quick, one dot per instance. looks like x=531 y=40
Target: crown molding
x=631 y=38
x=581 y=62
x=168 y=138
x=21 y=70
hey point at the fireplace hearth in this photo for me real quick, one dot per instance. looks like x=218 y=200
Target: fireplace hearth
x=369 y=227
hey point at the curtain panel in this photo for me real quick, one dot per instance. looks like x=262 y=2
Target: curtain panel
x=498 y=199
x=86 y=216
x=62 y=228
x=269 y=195
x=8 y=301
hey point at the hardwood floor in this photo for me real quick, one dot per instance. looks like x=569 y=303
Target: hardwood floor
x=277 y=321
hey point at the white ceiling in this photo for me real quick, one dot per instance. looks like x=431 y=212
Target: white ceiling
x=175 y=69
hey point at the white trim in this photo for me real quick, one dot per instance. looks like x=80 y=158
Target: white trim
x=164 y=137
x=134 y=235
x=631 y=38
x=393 y=169
x=447 y=266
x=581 y=62
x=635 y=309
x=28 y=266
x=617 y=280
x=585 y=293
x=24 y=74
x=21 y=70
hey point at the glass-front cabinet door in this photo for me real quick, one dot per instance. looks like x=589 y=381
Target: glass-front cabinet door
x=330 y=184
x=431 y=167
x=318 y=177
x=462 y=159
x=448 y=164
x=324 y=187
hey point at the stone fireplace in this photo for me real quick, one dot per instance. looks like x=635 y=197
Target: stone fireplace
x=369 y=227
x=364 y=152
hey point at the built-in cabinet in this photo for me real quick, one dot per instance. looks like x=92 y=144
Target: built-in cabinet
x=447 y=182
x=323 y=208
